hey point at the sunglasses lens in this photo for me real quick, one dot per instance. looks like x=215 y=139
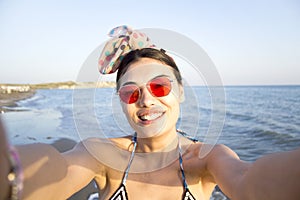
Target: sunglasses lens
x=129 y=93
x=160 y=86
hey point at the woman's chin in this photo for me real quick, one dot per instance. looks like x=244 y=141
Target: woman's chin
x=149 y=128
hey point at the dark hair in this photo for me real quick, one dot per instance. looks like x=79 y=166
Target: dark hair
x=152 y=53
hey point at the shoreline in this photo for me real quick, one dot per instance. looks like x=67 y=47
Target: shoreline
x=10 y=94
x=8 y=101
x=60 y=85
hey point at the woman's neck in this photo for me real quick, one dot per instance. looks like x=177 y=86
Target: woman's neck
x=163 y=142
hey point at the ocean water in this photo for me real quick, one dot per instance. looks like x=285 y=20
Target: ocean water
x=254 y=120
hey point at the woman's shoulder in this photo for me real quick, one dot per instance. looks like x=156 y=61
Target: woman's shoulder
x=99 y=143
x=203 y=153
x=104 y=149
x=205 y=149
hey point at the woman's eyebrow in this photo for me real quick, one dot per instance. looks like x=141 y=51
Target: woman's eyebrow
x=162 y=75
x=129 y=83
x=132 y=82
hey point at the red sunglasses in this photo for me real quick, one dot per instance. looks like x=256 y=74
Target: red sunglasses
x=158 y=87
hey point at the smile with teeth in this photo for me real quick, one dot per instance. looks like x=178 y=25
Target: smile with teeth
x=150 y=116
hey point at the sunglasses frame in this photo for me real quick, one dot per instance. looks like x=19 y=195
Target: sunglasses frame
x=148 y=88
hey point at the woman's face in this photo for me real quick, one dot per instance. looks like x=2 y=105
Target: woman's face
x=150 y=115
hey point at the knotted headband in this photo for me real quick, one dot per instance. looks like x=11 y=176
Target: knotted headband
x=124 y=40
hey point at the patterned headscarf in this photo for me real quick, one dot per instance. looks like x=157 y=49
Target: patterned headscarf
x=124 y=40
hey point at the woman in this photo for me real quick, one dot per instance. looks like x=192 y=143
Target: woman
x=157 y=162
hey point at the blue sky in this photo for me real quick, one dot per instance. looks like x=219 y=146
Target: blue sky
x=250 y=42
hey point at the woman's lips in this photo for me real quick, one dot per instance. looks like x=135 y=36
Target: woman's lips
x=149 y=117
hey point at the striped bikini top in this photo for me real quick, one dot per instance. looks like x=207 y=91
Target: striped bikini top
x=121 y=193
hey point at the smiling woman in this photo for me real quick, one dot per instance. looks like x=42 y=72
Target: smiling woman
x=157 y=161
x=151 y=114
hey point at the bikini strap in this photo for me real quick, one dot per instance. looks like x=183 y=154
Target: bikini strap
x=134 y=141
x=184 y=134
x=187 y=195
x=181 y=165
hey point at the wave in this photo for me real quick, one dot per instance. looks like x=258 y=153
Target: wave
x=275 y=137
x=239 y=116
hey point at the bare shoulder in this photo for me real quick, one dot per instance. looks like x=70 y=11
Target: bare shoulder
x=221 y=151
x=226 y=168
x=101 y=150
x=84 y=154
x=210 y=152
x=208 y=162
x=220 y=157
x=96 y=144
x=122 y=142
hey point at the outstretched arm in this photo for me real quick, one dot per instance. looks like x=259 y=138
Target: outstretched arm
x=274 y=176
x=48 y=174
x=45 y=170
x=4 y=165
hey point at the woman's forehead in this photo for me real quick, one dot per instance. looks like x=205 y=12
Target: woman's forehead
x=143 y=72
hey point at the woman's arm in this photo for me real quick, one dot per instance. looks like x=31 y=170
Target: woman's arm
x=45 y=170
x=4 y=165
x=274 y=176
x=48 y=174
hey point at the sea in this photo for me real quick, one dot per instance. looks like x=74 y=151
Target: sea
x=251 y=120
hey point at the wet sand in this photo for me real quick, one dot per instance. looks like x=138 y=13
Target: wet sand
x=9 y=101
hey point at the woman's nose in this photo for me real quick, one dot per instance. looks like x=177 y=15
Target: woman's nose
x=146 y=99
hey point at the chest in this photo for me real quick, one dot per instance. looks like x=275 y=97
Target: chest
x=166 y=183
